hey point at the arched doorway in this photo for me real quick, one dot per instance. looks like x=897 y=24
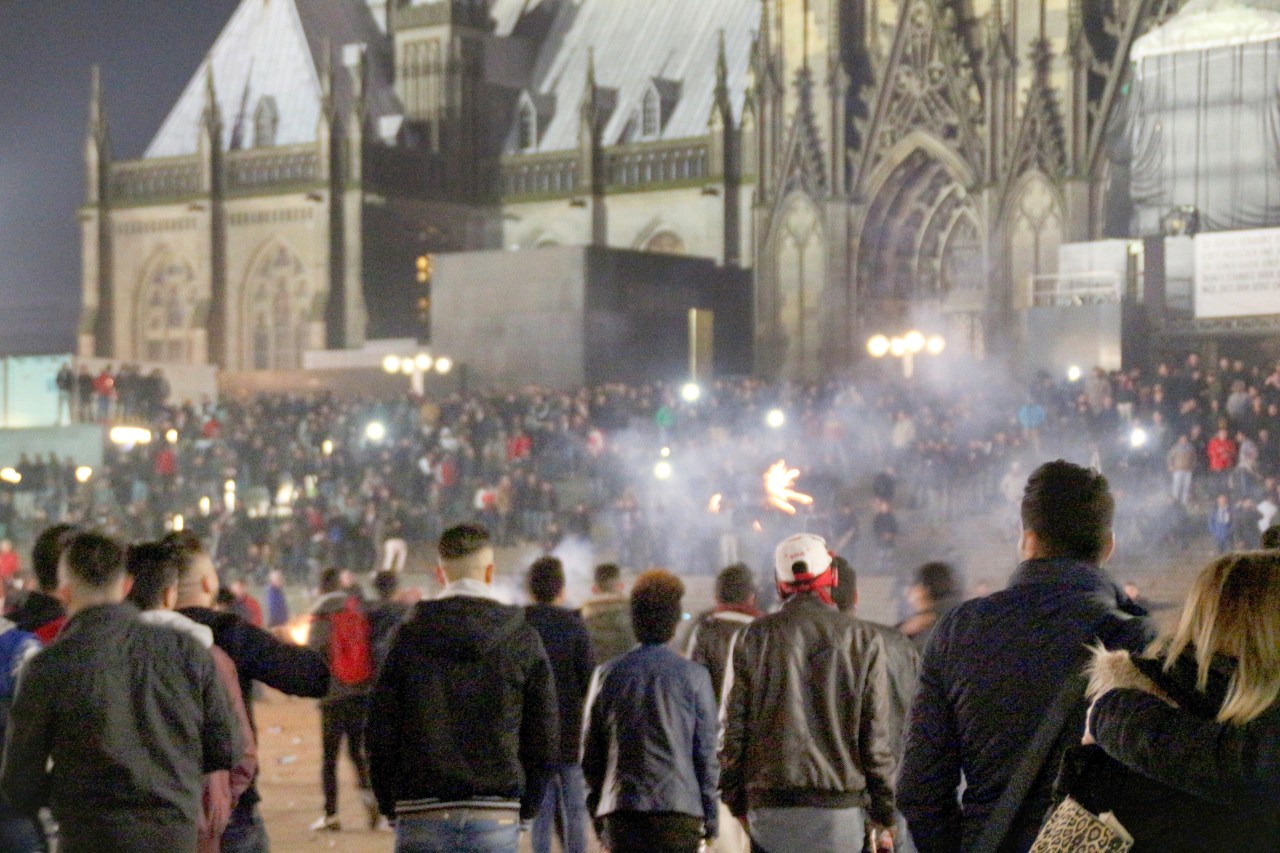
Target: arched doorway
x=921 y=250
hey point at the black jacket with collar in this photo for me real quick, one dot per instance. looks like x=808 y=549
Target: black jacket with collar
x=131 y=716
x=569 y=650
x=806 y=714
x=463 y=712
x=994 y=667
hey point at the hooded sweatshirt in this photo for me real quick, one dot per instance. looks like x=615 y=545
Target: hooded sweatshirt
x=464 y=711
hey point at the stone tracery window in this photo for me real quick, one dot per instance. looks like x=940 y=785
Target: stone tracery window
x=276 y=301
x=166 y=310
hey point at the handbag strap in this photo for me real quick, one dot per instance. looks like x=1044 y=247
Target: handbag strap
x=1037 y=751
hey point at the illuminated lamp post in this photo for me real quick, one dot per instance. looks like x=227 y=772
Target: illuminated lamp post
x=906 y=347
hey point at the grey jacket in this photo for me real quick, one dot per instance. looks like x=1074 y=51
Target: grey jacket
x=806 y=718
x=608 y=621
x=132 y=715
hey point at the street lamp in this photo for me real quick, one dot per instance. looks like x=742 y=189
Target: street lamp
x=906 y=347
x=775 y=418
x=691 y=392
x=416 y=367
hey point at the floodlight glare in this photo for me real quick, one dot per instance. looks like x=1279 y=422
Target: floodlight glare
x=444 y=364
x=691 y=393
x=375 y=431
x=1073 y=373
x=1138 y=438
x=83 y=473
x=775 y=418
x=391 y=364
x=913 y=341
x=10 y=475
x=423 y=361
x=129 y=436
x=662 y=470
x=898 y=347
x=935 y=345
x=878 y=346
x=171 y=436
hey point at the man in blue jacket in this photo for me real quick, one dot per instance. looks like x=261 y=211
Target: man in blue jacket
x=996 y=666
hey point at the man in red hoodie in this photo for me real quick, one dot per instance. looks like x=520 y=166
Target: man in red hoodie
x=41 y=613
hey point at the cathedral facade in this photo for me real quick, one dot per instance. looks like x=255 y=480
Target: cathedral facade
x=877 y=164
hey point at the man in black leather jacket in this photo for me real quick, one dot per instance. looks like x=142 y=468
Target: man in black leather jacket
x=806 y=751
x=996 y=666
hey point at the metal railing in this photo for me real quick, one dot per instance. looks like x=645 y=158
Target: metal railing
x=1076 y=289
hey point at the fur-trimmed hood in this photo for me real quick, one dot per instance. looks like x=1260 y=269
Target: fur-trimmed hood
x=1109 y=671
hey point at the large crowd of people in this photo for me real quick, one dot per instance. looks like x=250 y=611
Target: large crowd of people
x=777 y=721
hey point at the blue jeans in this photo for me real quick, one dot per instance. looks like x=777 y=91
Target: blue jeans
x=463 y=835
x=566 y=799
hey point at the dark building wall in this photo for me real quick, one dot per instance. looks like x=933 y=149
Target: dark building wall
x=569 y=316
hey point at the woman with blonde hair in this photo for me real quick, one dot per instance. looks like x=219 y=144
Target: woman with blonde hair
x=1171 y=787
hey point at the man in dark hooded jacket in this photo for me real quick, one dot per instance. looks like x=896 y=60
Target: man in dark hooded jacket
x=463 y=721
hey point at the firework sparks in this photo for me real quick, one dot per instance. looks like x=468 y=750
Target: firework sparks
x=779 y=483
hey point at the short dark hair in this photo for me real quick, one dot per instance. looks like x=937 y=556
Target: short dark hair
x=1271 y=538
x=462 y=540
x=938 y=580
x=47 y=551
x=735 y=584
x=154 y=567
x=330 y=581
x=94 y=559
x=655 y=606
x=185 y=541
x=607 y=575
x=1069 y=508
x=386 y=584
x=845 y=593
x=546 y=579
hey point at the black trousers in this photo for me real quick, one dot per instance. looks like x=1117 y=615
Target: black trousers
x=652 y=832
x=343 y=718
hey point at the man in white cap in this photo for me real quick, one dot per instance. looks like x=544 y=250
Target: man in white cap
x=806 y=753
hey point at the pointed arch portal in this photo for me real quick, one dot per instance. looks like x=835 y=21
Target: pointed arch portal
x=922 y=245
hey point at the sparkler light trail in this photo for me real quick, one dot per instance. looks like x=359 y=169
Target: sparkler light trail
x=779 y=482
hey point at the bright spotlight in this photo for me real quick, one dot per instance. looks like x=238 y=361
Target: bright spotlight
x=662 y=471
x=376 y=431
x=691 y=392
x=10 y=475
x=898 y=347
x=178 y=523
x=171 y=436
x=665 y=452
x=935 y=345
x=878 y=346
x=391 y=364
x=326 y=447
x=1073 y=373
x=129 y=436
x=1138 y=438
x=407 y=366
x=913 y=341
x=83 y=473
x=775 y=418
x=423 y=362
x=206 y=505
x=444 y=364
x=229 y=487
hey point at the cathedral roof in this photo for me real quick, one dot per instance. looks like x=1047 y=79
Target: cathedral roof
x=669 y=45
x=276 y=48
x=1208 y=24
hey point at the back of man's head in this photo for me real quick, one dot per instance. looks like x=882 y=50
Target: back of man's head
x=386 y=584
x=198 y=579
x=608 y=578
x=735 y=584
x=92 y=561
x=155 y=568
x=845 y=593
x=330 y=581
x=46 y=552
x=465 y=552
x=546 y=579
x=655 y=606
x=1069 y=510
x=1271 y=538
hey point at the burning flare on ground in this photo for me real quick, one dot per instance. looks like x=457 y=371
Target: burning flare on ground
x=779 y=481
x=300 y=630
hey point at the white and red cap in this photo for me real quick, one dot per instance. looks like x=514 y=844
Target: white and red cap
x=802 y=558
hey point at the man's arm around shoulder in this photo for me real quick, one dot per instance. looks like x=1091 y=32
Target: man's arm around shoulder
x=293 y=670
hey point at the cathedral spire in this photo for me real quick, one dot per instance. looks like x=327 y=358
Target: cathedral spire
x=722 y=76
x=97 y=114
x=212 y=114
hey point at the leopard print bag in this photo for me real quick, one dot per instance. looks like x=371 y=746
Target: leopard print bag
x=1071 y=828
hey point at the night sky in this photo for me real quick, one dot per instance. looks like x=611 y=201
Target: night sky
x=148 y=50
